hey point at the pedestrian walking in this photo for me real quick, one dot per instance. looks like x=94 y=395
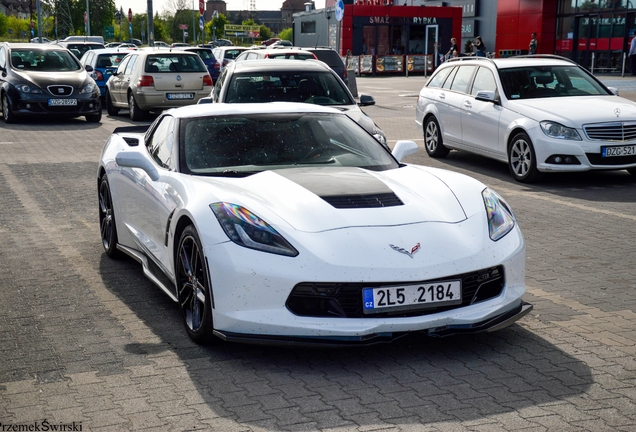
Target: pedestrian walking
x=453 y=47
x=534 y=44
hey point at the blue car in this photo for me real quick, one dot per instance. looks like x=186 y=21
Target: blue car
x=211 y=63
x=104 y=62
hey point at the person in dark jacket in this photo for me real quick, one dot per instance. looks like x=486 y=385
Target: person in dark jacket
x=453 y=47
x=480 y=47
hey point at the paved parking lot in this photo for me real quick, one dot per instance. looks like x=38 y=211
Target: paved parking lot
x=88 y=343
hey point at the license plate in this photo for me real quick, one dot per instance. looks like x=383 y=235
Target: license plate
x=175 y=96
x=408 y=297
x=629 y=150
x=62 y=102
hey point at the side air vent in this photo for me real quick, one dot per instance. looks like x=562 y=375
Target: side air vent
x=363 y=201
x=133 y=142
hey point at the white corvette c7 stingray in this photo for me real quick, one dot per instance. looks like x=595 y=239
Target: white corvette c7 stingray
x=289 y=223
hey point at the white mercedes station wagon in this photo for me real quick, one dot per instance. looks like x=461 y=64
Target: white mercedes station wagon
x=539 y=114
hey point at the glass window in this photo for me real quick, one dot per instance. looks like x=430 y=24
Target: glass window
x=437 y=79
x=161 y=141
x=123 y=65
x=131 y=65
x=308 y=27
x=170 y=63
x=484 y=81
x=235 y=145
x=449 y=80
x=462 y=78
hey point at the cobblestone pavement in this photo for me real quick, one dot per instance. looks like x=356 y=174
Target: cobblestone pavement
x=88 y=343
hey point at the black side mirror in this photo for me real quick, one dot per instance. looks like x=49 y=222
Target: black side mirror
x=366 y=100
x=89 y=68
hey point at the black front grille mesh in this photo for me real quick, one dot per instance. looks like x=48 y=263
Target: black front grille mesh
x=363 y=201
x=344 y=300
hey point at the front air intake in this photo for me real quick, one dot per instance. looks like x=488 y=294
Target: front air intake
x=363 y=201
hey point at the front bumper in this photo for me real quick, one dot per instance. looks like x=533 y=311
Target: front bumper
x=586 y=152
x=251 y=289
x=38 y=105
x=496 y=323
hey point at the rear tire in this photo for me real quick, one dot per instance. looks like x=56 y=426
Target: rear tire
x=193 y=287
x=136 y=114
x=112 y=111
x=433 y=139
x=522 y=160
x=108 y=228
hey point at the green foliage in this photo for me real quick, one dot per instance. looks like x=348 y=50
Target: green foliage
x=287 y=34
x=216 y=27
x=249 y=22
x=266 y=33
x=4 y=25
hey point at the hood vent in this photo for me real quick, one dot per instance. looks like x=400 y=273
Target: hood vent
x=131 y=141
x=363 y=201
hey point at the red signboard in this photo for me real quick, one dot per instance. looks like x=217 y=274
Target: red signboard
x=183 y=26
x=129 y=15
x=201 y=7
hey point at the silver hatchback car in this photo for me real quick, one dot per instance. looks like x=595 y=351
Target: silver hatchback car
x=151 y=79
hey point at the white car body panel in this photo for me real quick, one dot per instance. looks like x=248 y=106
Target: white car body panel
x=443 y=213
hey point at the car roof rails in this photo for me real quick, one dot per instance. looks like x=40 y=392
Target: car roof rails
x=546 y=56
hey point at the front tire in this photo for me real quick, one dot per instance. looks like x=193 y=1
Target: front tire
x=108 y=228
x=7 y=113
x=193 y=287
x=522 y=160
x=433 y=139
x=136 y=113
x=94 y=118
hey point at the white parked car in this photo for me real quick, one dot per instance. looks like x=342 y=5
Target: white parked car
x=288 y=222
x=539 y=114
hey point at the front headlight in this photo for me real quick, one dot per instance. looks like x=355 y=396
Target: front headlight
x=556 y=130
x=500 y=218
x=24 y=88
x=246 y=229
x=90 y=88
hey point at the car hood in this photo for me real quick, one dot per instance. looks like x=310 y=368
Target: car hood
x=318 y=199
x=44 y=79
x=588 y=109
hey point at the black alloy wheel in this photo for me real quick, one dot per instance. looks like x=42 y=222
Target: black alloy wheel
x=107 y=226
x=193 y=287
x=433 y=139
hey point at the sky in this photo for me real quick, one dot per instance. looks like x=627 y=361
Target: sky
x=140 y=6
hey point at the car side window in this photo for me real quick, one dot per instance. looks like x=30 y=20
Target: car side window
x=219 y=84
x=161 y=142
x=462 y=79
x=122 y=66
x=131 y=65
x=439 y=77
x=449 y=79
x=484 y=80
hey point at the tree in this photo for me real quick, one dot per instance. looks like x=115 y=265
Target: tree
x=4 y=24
x=216 y=27
x=286 y=34
x=266 y=33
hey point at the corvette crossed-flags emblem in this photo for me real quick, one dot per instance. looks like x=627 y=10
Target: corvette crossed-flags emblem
x=404 y=251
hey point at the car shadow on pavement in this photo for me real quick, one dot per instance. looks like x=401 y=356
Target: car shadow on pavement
x=416 y=380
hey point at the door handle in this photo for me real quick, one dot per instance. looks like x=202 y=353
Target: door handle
x=467 y=104
x=442 y=96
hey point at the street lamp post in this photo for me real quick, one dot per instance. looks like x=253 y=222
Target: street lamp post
x=88 y=20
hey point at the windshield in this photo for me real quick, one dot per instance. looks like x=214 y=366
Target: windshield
x=239 y=145
x=320 y=88
x=44 y=60
x=549 y=81
x=110 y=60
